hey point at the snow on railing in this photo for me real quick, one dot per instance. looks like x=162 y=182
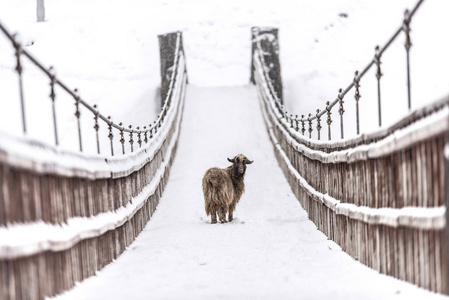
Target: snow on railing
x=306 y=122
x=136 y=137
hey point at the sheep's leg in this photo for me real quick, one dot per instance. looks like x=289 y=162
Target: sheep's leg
x=222 y=215
x=230 y=217
x=213 y=218
x=231 y=212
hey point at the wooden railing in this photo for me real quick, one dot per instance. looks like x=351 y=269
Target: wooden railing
x=64 y=215
x=382 y=196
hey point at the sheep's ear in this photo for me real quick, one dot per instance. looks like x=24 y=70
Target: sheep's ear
x=248 y=162
x=231 y=160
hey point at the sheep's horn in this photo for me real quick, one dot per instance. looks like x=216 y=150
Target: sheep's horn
x=231 y=160
x=248 y=162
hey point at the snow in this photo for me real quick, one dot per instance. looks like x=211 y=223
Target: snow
x=270 y=251
x=108 y=50
x=114 y=59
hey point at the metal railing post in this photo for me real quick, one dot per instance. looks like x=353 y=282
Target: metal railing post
x=341 y=111
x=131 y=140
x=78 y=115
x=378 y=76
x=122 y=137
x=145 y=134
x=303 y=129
x=97 y=127
x=329 y=120
x=408 y=45
x=318 y=123
x=357 y=97
x=310 y=126
x=19 y=70
x=139 y=137
x=111 y=135
x=53 y=98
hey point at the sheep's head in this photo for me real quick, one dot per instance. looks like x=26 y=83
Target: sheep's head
x=239 y=163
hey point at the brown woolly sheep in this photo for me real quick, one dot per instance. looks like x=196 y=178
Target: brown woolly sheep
x=223 y=188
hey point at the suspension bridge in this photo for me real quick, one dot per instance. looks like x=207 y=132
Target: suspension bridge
x=130 y=216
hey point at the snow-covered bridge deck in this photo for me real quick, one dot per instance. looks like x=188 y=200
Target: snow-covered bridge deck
x=270 y=251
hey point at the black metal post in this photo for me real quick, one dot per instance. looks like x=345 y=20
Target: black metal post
x=408 y=45
x=19 y=70
x=53 y=97
x=77 y=115
x=145 y=135
x=131 y=140
x=303 y=129
x=139 y=137
x=378 y=76
x=96 y=127
x=318 y=123
x=111 y=135
x=357 y=97
x=341 y=111
x=122 y=137
x=329 y=120
x=310 y=125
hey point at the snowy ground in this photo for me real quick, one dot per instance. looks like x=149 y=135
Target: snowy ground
x=270 y=251
x=108 y=49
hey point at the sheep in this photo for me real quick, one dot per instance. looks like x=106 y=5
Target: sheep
x=223 y=188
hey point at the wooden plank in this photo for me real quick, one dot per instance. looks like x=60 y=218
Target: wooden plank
x=4 y=279
x=4 y=198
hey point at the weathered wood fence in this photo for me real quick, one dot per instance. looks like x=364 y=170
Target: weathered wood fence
x=382 y=197
x=65 y=215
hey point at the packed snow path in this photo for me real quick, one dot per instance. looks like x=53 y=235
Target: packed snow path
x=270 y=251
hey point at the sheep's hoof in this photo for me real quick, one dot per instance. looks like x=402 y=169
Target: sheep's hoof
x=223 y=221
x=213 y=222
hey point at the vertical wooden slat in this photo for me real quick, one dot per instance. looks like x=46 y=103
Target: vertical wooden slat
x=3 y=196
x=45 y=196
x=7 y=198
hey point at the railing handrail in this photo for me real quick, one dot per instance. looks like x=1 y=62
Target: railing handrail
x=408 y=15
x=93 y=109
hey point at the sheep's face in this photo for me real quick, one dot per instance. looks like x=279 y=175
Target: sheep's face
x=239 y=163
